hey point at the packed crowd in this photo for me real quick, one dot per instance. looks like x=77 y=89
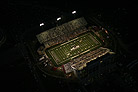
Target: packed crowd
x=81 y=61
x=64 y=37
x=62 y=33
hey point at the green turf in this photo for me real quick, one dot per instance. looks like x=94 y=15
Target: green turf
x=62 y=53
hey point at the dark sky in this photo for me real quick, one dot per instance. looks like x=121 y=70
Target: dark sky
x=30 y=12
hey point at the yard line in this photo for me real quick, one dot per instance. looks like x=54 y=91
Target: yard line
x=62 y=52
x=59 y=54
x=85 y=45
x=65 y=51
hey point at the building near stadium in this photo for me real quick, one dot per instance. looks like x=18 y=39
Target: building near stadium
x=73 y=47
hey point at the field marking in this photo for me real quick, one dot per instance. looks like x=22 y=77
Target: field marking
x=71 y=42
x=76 y=55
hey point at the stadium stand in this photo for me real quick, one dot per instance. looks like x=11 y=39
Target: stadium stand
x=80 y=62
x=68 y=31
x=62 y=33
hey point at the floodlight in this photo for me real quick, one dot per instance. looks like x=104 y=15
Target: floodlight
x=41 y=24
x=59 y=18
x=73 y=12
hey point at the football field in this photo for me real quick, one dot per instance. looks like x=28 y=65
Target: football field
x=71 y=49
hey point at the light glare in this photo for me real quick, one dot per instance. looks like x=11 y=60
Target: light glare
x=73 y=12
x=41 y=24
x=59 y=18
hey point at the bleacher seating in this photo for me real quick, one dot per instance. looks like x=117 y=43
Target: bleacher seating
x=82 y=60
x=62 y=33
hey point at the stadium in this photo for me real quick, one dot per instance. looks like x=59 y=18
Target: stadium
x=71 y=46
x=71 y=49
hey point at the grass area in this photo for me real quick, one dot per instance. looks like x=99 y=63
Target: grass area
x=64 y=52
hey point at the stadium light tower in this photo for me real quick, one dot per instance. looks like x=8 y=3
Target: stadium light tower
x=58 y=22
x=73 y=12
x=42 y=24
x=59 y=18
